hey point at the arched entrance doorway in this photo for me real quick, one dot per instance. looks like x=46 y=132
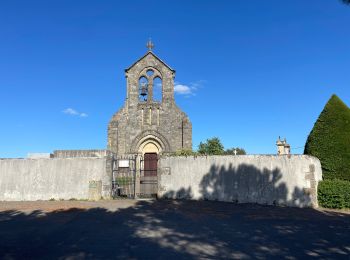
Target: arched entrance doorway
x=150 y=148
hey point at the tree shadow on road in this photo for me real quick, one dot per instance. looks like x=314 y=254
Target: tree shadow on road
x=185 y=229
x=175 y=229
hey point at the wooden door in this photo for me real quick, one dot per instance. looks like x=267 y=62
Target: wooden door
x=149 y=178
x=150 y=164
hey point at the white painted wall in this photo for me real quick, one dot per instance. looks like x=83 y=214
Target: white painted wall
x=44 y=179
x=264 y=179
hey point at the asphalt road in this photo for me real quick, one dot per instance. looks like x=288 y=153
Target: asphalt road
x=169 y=230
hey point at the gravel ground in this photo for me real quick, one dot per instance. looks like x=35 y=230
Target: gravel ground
x=169 y=229
x=48 y=206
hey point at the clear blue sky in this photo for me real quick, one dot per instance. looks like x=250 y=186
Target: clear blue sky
x=255 y=69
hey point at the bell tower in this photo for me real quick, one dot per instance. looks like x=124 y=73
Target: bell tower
x=150 y=120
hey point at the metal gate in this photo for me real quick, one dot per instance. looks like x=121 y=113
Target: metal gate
x=148 y=175
x=124 y=176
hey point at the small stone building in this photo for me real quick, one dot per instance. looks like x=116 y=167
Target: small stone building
x=150 y=122
x=283 y=147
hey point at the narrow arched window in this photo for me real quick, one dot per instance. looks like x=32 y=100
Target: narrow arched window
x=143 y=89
x=157 y=89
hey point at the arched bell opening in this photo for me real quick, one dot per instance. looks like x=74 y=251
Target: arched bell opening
x=143 y=89
x=157 y=89
x=150 y=85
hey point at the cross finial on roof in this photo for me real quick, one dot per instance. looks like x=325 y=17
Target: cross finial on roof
x=150 y=45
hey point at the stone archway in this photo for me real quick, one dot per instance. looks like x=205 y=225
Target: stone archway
x=149 y=148
x=150 y=139
x=149 y=145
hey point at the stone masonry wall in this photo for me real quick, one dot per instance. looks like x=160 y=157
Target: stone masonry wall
x=275 y=180
x=58 y=178
x=80 y=153
x=163 y=120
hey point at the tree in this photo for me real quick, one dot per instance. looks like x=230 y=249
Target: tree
x=212 y=146
x=240 y=151
x=346 y=1
x=329 y=140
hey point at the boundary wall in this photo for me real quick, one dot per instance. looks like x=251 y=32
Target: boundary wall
x=289 y=180
x=55 y=178
x=80 y=153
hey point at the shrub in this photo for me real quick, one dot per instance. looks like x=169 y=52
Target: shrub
x=184 y=152
x=125 y=180
x=334 y=194
x=329 y=140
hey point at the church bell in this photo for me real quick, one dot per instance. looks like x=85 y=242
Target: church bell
x=143 y=89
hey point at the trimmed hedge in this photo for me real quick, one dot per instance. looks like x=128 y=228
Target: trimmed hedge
x=334 y=194
x=329 y=140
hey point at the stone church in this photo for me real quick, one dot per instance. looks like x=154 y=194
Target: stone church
x=150 y=122
x=148 y=125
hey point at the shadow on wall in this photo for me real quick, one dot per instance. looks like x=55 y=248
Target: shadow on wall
x=169 y=229
x=244 y=184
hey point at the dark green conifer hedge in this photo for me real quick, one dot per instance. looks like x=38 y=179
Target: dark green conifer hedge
x=329 y=140
x=334 y=194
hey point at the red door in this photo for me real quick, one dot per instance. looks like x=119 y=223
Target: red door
x=150 y=164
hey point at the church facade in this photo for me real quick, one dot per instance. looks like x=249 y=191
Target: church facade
x=150 y=122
